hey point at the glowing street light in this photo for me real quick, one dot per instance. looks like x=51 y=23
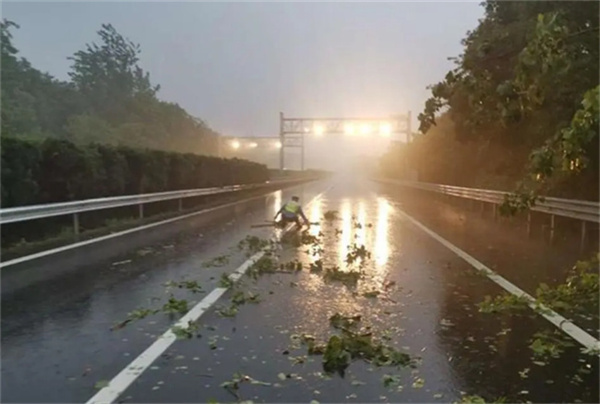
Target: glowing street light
x=235 y=144
x=385 y=129
x=277 y=145
x=319 y=130
x=349 y=129
x=365 y=129
x=253 y=145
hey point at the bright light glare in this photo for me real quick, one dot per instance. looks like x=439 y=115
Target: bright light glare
x=253 y=145
x=385 y=129
x=319 y=130
x=235 y=144
x=365 y=129
x=277 y=145
x=349 y=129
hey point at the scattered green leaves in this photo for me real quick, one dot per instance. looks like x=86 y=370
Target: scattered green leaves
x=467 y=399
x=240 y=298
x=371 y=293
x=340 y=321
x=230 y=311
x=219 y=261
x=225 y=281
x=192 y=286
x=137 y=314
x=347 y=277
x=504 y=303
x=549 y=344
x=174 y=305
x=233 y=385
x=390 y=380
x=316 y=266
x=264 y=265
x=253 y=244
x=101 y=384
x=188 y=332
x=352 y=344
x=357 y=253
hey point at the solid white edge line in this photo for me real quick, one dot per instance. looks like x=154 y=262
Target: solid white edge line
x=124 y=232
x=127 y=376
x=559 y=321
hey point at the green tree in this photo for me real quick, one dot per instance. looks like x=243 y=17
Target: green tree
x=33 y=103
x=87 y=128
x=18 y=110
x=108 y=75
x=525 y=87
x=109 y=100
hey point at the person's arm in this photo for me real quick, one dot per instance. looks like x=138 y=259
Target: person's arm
x=278 y=212
x=303 y=216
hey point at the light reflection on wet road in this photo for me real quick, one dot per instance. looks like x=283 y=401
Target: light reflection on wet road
x=430 y=313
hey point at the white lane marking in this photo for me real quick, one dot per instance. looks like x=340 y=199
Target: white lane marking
x=122 y=233
x=559 y=321
x=127 y=376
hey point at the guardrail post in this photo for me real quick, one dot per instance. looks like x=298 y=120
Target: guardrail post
x=76 y=224
x=495 y=211
x=141 y=210
x=551 y=228
x=180 y=204
x=482 y=208
x=583 y=236
x=528 y=223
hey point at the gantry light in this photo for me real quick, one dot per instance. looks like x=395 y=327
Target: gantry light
x=349 y=129
x=385 y=129
x=319 y=129
x=365 y=129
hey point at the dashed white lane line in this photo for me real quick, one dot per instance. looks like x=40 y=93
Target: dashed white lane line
x=559 y=321
x=127 y=376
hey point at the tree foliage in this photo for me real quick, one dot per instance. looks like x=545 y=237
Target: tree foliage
x=522 y=100
x=108 y=76
x=109 y=99
x=56 y=170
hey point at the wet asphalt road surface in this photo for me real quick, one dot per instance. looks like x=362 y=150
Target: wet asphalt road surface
x=57 y=343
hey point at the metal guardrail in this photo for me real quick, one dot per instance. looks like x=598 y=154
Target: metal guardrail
x=24 y=213
x=586 y=211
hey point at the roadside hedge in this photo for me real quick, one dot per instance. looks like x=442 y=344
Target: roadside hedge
x=55 y=170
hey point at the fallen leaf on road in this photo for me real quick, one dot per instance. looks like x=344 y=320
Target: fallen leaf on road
x=101 y=384
x=418 y=383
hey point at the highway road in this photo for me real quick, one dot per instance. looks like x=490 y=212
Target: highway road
x=416 y=299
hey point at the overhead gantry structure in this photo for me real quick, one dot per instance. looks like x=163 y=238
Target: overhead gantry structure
x=292 y=132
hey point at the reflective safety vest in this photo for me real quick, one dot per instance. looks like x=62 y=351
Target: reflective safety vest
x=292 y=207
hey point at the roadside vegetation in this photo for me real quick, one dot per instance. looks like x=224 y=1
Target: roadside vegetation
x=520 y=113
x=103 y=133
x=108 y=99
x=520 y=109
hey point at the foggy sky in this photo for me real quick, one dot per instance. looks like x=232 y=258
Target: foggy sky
x=236 y=65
